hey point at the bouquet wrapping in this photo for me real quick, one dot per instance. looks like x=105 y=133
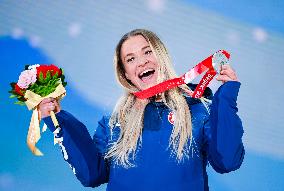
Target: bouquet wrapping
x=36 y=83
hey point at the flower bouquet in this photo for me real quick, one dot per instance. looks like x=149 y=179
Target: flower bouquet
x=36 y=83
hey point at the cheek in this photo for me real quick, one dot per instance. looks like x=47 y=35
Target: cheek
x=129 y=72
x=154 y=60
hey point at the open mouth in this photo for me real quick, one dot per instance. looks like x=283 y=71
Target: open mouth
x=147 y=74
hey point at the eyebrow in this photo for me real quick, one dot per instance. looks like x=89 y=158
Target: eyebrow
x=145 y=47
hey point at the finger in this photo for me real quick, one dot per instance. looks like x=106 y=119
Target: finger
x=57 y=106
x=42 y=105
x=49 y=108
x=223 y=78
x=51 y=104
x=55 y=102
x=46 y=107
x=230 y=73
x=225 y=66
x=221 y=67
x=46 y=100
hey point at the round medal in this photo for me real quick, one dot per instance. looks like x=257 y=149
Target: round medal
x=219 y=59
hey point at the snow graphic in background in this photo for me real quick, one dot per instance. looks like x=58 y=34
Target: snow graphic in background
x=35 y=41
x=74 y=30
x=7 y=181
x=259 y=35
x=156 y=5
x=17 y=33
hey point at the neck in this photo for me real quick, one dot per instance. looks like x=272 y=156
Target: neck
x=158 y=98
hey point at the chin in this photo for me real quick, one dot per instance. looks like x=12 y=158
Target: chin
x=144 y=86
x=146 y=79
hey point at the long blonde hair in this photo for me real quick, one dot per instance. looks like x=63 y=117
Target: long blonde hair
x=129 y=111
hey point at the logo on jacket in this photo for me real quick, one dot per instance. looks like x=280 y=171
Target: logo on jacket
x=171 y=117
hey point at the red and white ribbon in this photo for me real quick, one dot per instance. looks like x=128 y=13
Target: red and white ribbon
x=211 y=65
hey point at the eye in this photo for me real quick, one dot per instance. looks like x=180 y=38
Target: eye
x=129 y=60
x=148 y=52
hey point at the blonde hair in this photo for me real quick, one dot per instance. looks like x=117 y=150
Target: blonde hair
x=129 y=111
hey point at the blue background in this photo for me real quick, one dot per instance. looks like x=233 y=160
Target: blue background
x=81 y=36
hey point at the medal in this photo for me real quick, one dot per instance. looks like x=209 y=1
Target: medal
x=212 y=65
x=219 y=59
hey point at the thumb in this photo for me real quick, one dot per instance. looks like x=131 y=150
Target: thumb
x=57 y=106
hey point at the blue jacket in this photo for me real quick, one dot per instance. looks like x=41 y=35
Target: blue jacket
x=217 y=139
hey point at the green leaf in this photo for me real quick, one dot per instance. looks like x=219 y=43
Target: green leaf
x=55 y=75
x=48 y=76
x=50 y=82
x=53 y=82
x=41 y=79
x=33 y=88
x=20 y=103
x=12 y=96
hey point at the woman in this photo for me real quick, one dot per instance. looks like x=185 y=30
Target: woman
x=161 y=143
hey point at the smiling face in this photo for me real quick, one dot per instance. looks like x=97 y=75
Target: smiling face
x=140 y=63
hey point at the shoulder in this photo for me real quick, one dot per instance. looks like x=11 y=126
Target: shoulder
x=104 y=121
x=103 y=128
x=102 y=134
x=104 y=131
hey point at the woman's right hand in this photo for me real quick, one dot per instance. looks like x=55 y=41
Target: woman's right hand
x=47 y=105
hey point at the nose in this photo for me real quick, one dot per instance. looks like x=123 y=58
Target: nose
x=142 y=60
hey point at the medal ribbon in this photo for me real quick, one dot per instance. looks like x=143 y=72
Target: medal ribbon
x=211 y=64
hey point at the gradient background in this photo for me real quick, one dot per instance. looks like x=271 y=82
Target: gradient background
x=81 y=36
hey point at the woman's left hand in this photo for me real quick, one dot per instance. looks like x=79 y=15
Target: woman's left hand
x=227 y=74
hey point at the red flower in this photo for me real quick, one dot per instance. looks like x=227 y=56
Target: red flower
x=19 y=90
x=45 y=68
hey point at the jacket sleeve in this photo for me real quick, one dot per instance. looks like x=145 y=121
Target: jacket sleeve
x=79 y=150
x=224 y=130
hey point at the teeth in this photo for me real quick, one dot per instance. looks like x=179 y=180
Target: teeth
x=145 y=71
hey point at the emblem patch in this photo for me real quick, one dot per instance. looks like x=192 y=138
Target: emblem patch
x=171 y=118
